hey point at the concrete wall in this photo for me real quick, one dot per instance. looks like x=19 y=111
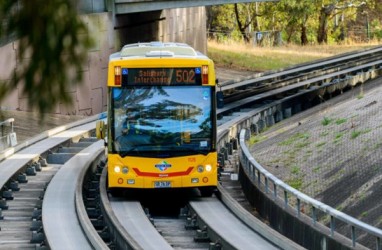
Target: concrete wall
x=187 y=26
x=170 y=25
x=110 y=34
x=90 y=96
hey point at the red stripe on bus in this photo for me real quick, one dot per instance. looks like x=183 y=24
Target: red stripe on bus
x=149 y=174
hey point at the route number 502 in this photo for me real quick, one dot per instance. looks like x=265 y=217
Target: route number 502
x=185 y=76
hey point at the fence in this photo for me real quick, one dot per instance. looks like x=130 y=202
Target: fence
x=8 y=136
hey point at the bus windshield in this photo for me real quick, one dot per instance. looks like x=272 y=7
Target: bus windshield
x=172 y=120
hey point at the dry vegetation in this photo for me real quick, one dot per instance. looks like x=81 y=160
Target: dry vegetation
x=247 y=57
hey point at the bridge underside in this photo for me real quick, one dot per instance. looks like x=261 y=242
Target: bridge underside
x=127 y=6
x=187 y=25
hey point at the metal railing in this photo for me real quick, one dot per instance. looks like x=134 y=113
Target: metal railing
x=280 y=190
x=8 y=136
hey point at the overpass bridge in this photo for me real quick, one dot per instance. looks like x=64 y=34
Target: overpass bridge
x=133 y=6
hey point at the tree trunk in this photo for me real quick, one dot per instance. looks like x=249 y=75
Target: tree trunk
x=304 y=37
x=242 y=27
x=322 y=33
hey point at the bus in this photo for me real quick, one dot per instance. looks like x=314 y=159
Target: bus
x=161 y=118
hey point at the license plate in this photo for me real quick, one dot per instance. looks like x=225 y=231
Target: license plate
x=162 y=184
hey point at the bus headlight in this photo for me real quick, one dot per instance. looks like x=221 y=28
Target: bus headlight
x=208 y=168
x=117 y=169
x=125 y=170
x=200 y=169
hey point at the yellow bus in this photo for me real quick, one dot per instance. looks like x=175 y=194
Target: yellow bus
x=161 y=130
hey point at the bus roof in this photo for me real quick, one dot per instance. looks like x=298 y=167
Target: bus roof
x=157 y=49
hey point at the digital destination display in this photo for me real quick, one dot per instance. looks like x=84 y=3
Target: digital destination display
x=161 y=76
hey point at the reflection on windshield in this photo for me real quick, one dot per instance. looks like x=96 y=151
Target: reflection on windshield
x=162 y=118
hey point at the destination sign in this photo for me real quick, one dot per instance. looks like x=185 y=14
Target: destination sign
x=161 y=76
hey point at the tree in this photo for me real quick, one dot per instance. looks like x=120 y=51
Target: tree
x=52 y=47
x=219 y=21
x=243 y=24
x=327 y=11
x=296 y=14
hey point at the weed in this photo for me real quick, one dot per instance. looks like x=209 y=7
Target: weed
x=325 y=133
x=364 y=214
x=338 y=137
x=355 y=134
x=339 y=207
x=255 y=139
x=302 y=144
x=366 y=131
x=320 y=144
x=294 y=138
x=326 y=121
x=340 y=121
x=295 y=170
x=360 y=96
x=378 y=145
x=316 y=169
x=295 y=183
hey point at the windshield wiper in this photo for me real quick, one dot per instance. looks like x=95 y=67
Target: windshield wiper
x=157 y=150
x=198 y=151
x=131 y=149
x=127 y=152
x=184 y=149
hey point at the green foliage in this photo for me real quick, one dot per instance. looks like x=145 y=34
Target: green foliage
x=295 y=170
x=320 y=144
x=338 y=137
x=355 y=134
x=257 y=138
x=301 y=21
x=294 y=138
x=326 y=121
x=52 y=47
x=340 y=121
x=295 y=183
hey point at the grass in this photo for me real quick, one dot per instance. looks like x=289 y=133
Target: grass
x=326 y=121
x=295 y=183
x=295 y=170
x=356 y=133
x=294 y=138
x=257 y=138
x=340 y=121
x=320 y=144
x=338 y=137
x=316 y=169
x=364 y=214
x=324 y=133
x=247 y=57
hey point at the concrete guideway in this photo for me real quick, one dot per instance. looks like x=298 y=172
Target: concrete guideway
x=17 y=157
x=60 y=204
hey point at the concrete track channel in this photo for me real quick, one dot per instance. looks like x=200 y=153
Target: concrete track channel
x=25 y=174
x=277 y=85
x=111 y=225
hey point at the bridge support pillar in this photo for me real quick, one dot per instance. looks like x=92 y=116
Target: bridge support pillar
x=279 y=116
x=287 y=112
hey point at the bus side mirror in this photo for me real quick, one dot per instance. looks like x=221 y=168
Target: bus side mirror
x=219 y=99
x=100 y=129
